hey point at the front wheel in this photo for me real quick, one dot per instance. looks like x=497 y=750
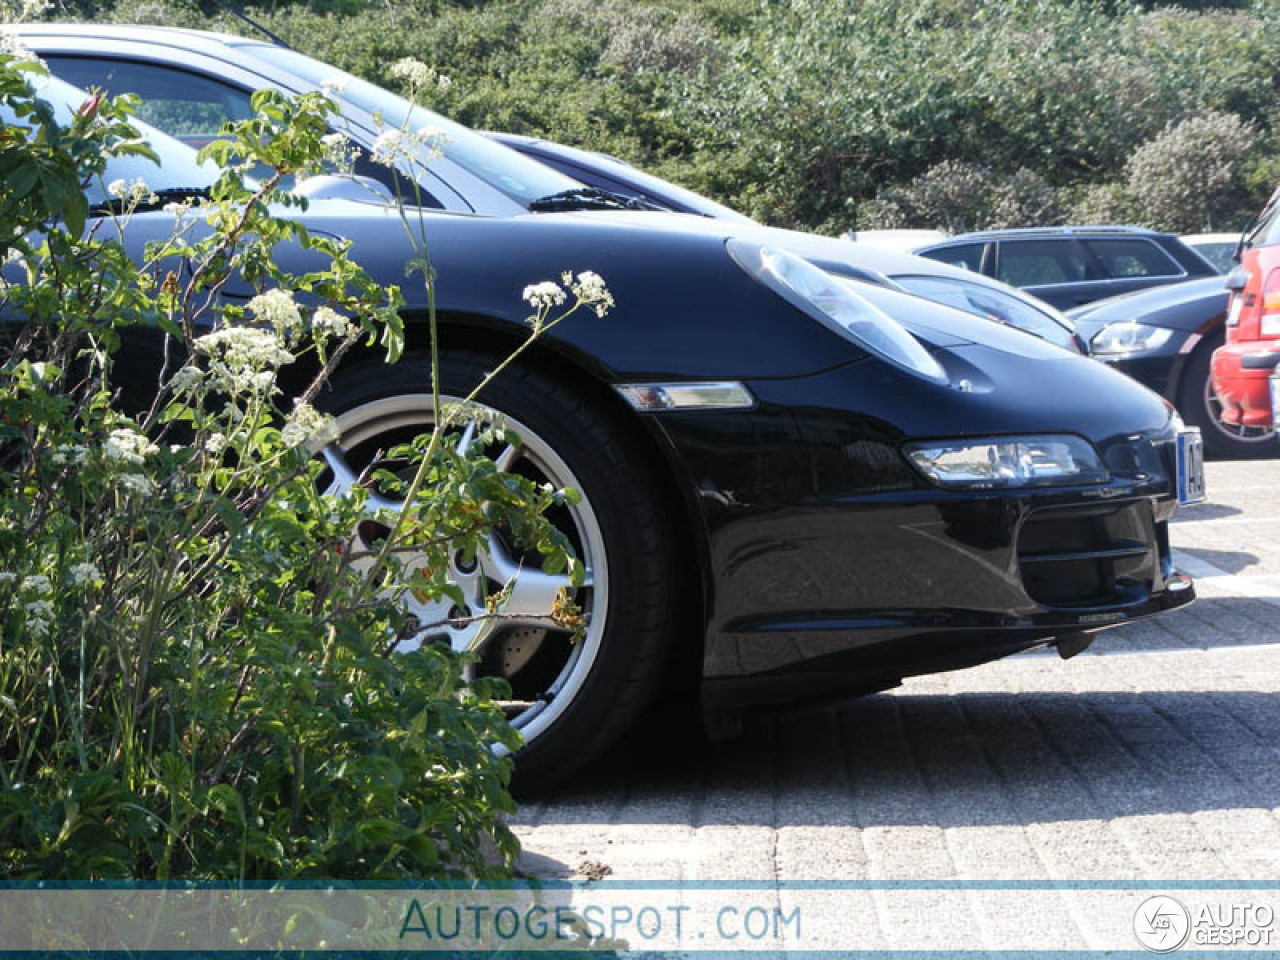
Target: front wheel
x=1200 y=407
x=570 y=699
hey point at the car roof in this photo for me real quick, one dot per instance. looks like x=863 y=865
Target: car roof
x=1021 y=232
x=190 y=39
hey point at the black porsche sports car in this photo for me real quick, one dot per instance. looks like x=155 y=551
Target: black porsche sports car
x=794 y=483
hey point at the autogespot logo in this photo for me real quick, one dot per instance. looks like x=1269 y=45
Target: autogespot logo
x=1161 y=924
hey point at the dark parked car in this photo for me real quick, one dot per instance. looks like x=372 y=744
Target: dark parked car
x=617 y=176
x=1165 y=337
x=1070 y=266
x=191 y=82
x=794 y=483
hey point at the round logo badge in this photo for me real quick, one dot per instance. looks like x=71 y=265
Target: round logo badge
x=1161 y=924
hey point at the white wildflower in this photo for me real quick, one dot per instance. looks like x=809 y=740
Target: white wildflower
x=335 y=85
x=68 y=455
x=215 y=443
x=187 y=379
x=415 y=73
x=590 y=289
x=329 y=323
x=178 y=207
x=39 y=615
x=277 y=308
x=307 y=424
x=12 y=45
x=34 y=8
x=84 y=574
x=388 y=147
x=128 y=446
x=239 y=354
x=131 y=193
x=36 y=584
x=136 y=483
x=548 y=293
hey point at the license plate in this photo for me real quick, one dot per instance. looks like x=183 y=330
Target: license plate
x=1233 y=312
x=1190 y=466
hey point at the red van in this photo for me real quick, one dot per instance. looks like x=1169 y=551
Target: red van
x=1242 y=366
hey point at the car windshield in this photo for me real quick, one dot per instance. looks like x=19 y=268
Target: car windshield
x=513 y=174
x=993 y=304
x=177 y=172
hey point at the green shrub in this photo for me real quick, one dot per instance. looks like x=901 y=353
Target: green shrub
x=809 y=113
x=198 y=674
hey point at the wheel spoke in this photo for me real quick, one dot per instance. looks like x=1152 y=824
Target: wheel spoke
x=507 y=457
x=468 y=435
x=533 y=593
x=345 y=479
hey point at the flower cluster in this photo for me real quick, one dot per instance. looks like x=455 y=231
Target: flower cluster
x=395 y=144
x=68 y=455
x=418 y=75
x=542 y=295
x=187 y=379
x=244 y=359
x=135 y=484
x=335 y=85
x=308 y=425
x=327 y=322
x=340 y=152
x=278 y=309
x=132 y=193
x=589 y=287
x=128 y=446
x=84 y=574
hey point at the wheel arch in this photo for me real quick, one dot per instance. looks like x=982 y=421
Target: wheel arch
x=560 y=360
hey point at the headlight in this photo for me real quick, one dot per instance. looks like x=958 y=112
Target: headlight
x=823 y=297
x=1008 y=462
x=1117 y=338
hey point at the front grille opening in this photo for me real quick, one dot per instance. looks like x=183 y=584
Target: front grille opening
x=1089 y=557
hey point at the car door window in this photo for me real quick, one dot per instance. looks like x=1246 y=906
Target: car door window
x=1123 y=258
x=966 y=255
x=1033 y=263
x=192 y=107
x=188 y=106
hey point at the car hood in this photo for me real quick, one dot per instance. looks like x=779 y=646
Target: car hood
x=830 y=253
x=938 y=325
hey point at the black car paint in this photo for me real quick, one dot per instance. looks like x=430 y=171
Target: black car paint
x=822 y=550
x=1194 y=310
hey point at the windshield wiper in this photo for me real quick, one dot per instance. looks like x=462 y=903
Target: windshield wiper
x=156 y=200
x=587 y=198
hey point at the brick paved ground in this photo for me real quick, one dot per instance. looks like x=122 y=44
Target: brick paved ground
x=1155 y=754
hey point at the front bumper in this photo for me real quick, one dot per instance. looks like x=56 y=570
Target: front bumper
x=833 y=567
x=1240 y=373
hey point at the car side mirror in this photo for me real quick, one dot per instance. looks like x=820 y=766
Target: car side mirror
x=360 y=189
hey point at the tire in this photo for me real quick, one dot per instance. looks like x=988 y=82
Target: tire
x=1199 y=408
x=619 y=530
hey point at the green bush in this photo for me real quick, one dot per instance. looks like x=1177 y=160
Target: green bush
x=810 y=113
x=1186 y=179
x=198 y=675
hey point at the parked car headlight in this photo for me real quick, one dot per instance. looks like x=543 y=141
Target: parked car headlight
x=1133 y=337
x=831 y=302
x=1042 y=461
